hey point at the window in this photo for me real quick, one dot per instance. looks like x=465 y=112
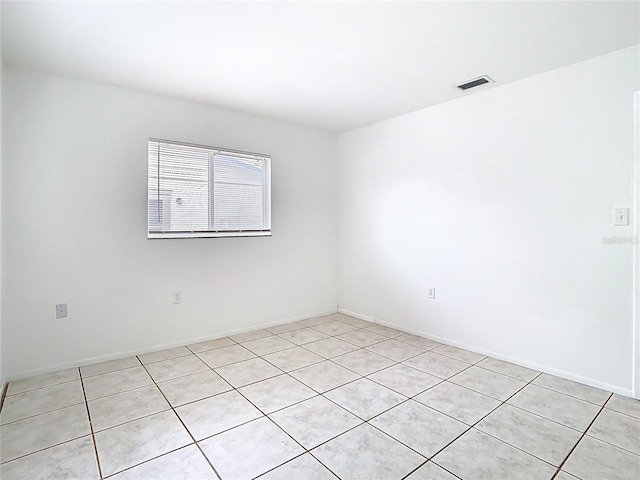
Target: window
x=198 y=191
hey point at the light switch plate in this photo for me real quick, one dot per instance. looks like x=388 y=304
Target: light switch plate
x=621 y=217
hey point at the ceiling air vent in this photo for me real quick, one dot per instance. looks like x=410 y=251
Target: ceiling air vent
x=476 y=82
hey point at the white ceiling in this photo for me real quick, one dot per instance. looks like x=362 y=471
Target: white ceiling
x=328 y=65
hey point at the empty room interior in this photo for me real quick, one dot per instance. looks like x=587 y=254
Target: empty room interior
x=320 y=240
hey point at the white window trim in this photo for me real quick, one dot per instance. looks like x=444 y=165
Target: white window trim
x=214 y=233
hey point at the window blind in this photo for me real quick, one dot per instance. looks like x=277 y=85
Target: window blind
x=199 y=191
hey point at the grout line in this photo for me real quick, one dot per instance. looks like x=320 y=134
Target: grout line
x=183 y=425
x=470 y=427
x=580 y=439
x=322 y=394
x=423 y=464
x=4 y=462
x=146 y=461
x=41 y=413
x=93 y=437
x=37 y=388
x=573 y=396
x=305 y=450
x=237 y=390
x=4 y=395
x=545 y=418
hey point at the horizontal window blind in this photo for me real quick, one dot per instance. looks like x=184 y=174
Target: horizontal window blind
x=198 y=191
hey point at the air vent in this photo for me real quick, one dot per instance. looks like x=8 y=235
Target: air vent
x=476 y=82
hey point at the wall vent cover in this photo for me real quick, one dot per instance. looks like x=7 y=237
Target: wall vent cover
x=476 y=82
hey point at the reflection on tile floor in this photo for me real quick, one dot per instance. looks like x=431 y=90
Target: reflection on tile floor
x=325 y=398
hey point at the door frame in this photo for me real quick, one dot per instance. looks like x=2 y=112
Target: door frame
x=636 y=246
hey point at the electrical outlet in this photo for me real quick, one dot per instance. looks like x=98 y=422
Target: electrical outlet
x=177 y=297
x=432 y=293
x=621 y=217
x=61 y=311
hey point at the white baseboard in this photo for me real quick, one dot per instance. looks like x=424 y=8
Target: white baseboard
x=155 y=348
x=535 y=366
x=356 y=315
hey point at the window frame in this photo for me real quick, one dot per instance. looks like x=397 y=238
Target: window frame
x=212 y=233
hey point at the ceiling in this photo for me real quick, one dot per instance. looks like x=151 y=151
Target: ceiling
x=328 y=65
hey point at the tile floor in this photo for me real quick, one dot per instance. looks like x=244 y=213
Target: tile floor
x=327 y=397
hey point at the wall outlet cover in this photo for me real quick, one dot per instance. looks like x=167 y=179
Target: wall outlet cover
x=61 y=311
x=621 y=217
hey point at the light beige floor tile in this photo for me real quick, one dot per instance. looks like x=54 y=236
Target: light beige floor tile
x=267 y=345
x=110 y=366
x=556 y=406
x=161 y=355
x=324 y=376
x=337 y=316
x=365 y=398
x=314 y=421
x=216 y=414
x=397 y=351
x=362 y=338
x=42 y=400
x=626 y=405
x=404 y=379
x=487 y=382
x=44 y=380
x=330 y=347
x=249 y=336
x=419 y=427
x=175 y=368
x=285 y=327
x=188 y=463
x=116 y=382
x=490 y=459
x=431 y=471
x=617 y=429
x=386 y=331
x=459 y=354
x=509 y=369
x=438 y=365
x=303 y=467
x=575 y=389
x=276 y=393
x=250 y=450
x=311 y=322
x=458 y=402
x=211 y=344
x=596 y=460
x=293 y=358
x=303 y=336
x=417 y=341
x=564 y=476
x=334 y=328
x=250 y=371
x=123 y=407
x=225 y=356
x=193 y=387
x=132 y=443
x=42 y=431
x=365 y=453
x=363 y=362
x=71 y=460
x=538 y=436
x=353 y=321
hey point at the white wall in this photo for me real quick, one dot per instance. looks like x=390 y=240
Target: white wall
x=501 y=200
x=74 y=197
x=2 y=368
